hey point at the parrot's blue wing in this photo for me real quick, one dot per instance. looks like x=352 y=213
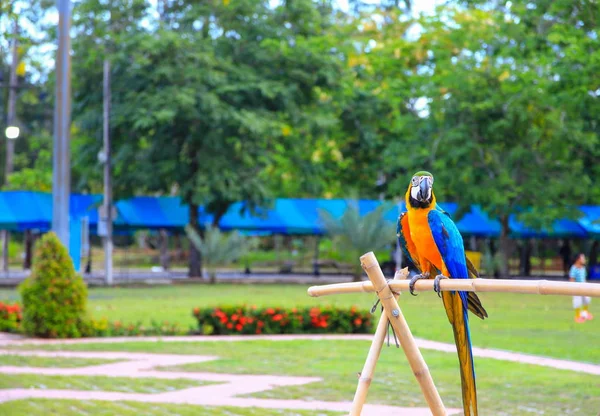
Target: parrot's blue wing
x=449 y=243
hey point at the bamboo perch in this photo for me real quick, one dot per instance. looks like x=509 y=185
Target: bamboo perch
x=539 y=287
x=415 y=359
x=366 y=375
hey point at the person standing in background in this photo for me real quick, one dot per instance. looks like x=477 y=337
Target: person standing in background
x=578 y=273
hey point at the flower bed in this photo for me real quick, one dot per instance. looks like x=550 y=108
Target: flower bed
x=10 y=317
x=252 y=320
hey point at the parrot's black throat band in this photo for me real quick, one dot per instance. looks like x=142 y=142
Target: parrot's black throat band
x=420 y=204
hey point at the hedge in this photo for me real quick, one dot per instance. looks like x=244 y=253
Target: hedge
x=252 y=320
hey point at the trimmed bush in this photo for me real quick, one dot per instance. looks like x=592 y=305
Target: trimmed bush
x=104 y=328
x=10 y=317
x=251 y=320
x=54 y=296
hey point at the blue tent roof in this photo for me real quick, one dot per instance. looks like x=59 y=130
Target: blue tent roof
x=591 y=219
x=152 y=212
x=560 y=229
x=21 y=210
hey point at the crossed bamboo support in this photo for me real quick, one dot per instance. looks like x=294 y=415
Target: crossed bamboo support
x=387 y=293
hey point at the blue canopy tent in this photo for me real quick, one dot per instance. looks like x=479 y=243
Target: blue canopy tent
x=590 y=220
x=147 y=212
x=559 y=229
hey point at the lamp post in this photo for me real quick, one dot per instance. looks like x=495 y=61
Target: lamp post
x=61 y=180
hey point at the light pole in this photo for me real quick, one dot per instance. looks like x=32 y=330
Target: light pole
x=12 y=131
x=108 y=242
x=61 y=173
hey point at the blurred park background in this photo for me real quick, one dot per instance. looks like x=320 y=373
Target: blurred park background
x=271 y=142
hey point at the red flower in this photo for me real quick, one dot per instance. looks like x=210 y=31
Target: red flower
x=223 y=319
x=229 y=325
x=260 y=324
x=234 y=317
x=253 y=307
x=358 y=322
x=353 y=309
x=239 y=327
x=294 y=310
x=250 y=320
x=277 y=317
x=196 y=311
x=270 y=311
x=258 y=331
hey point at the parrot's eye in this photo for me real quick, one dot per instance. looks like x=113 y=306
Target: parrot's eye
x=415 y=181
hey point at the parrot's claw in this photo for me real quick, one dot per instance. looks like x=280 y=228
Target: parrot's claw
x=436 y=284
x=413 y=280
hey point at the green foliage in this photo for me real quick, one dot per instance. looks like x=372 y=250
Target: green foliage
x=356 y=234
x=54 y=297
x=244 y=320
x=104 y=328
x=218 y=248
x=10 y=317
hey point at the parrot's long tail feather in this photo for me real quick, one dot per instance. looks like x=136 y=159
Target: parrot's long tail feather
x=457 y=314
x=475 y=306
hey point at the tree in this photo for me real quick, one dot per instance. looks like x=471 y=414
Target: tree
x=358 y=234
x=499 y=130
x=201 y=98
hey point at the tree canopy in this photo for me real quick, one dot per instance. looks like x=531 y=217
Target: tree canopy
x=224 y=101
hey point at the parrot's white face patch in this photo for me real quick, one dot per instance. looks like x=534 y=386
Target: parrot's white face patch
x=414 y=192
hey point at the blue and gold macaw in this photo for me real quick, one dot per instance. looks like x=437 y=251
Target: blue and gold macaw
x=433 y=245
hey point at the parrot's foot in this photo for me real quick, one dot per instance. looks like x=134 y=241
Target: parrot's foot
x=413 y=280
x=436 y=284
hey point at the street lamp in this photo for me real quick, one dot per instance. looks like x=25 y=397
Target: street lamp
x=12 y=132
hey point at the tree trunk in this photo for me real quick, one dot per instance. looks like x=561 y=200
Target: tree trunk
x=195 y=263
x=164 y=249
x=357 y=275
x=525 y=262
x=178 y=249
x=316 y=271
x=593 y=255
x=28 y=242
x=504 y=268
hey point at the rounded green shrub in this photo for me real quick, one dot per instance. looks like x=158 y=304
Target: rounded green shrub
x=54 y=297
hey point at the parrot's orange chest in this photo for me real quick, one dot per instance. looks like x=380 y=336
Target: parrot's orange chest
x=420 y=232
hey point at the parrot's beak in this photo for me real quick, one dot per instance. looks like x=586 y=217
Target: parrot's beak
x=424 y=190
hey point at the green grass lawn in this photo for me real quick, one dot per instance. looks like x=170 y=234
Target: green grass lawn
x=504 y=388
x=533 y=324
x=98 y=408
x=96 y=383
x=53 y=362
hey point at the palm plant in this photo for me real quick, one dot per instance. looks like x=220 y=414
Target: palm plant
x=217 y=248
x=357 y=235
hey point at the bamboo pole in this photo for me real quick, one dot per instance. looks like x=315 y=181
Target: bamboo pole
x=366 y=375
x=538 y=287
x=415 y=359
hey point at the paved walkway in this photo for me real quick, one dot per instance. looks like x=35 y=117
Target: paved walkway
x=231 y=386
x=143 y=366
x=421 y=343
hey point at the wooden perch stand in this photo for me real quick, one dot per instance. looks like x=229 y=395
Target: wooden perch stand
x=394 y=315
x=537 y=287
x=388 y=293
x=366 y=375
